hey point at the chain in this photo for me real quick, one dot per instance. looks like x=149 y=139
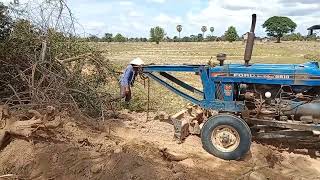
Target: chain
x=144 y=78
x=148 y=103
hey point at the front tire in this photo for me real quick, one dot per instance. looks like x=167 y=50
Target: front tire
x=226 y=136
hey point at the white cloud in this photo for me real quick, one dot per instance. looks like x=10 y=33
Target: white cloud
x=126 y=3
x=134 y=13
x=135 y=19
x=94 y=9
x=93 y=27
x=157 y=1
x=165 y=19
x=222 y=14
x=94 y=24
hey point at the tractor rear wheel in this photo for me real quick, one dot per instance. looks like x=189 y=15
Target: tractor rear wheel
x=226 y=136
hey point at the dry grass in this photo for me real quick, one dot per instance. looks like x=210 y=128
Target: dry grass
x=199 y=53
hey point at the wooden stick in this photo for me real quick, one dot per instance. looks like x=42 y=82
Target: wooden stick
x=68 y=60
x=15 y=93
x=6 y=175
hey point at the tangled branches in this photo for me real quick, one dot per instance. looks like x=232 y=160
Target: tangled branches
x=42 y=63
x=56 y=82
x=46 y=15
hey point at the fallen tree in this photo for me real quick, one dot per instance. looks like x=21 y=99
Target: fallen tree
x=44 y=63
x=45 y=69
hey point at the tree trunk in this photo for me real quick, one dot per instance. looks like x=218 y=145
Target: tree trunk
x=43 y=51
x=278 y=39
x=157 y=42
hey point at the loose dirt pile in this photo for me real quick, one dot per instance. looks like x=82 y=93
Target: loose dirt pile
x=130 y=147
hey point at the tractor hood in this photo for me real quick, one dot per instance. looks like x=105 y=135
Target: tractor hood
x=290 y=74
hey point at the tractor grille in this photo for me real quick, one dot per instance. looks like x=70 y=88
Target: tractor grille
x=219 y=91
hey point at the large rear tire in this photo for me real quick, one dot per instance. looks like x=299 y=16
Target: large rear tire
x=226 y=136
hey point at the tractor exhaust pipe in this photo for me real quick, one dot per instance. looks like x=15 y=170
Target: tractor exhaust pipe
x=250 y=41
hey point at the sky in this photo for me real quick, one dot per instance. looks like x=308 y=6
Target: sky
x=134 y=18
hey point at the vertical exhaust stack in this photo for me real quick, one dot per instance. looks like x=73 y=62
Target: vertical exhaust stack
x=250 y=41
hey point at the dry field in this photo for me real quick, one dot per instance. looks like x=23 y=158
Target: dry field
x=201 y=52
x=197 y=53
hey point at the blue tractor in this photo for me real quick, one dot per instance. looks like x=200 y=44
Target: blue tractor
x=249 y=98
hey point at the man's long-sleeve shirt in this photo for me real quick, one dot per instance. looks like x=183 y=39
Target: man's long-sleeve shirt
x=127 y=78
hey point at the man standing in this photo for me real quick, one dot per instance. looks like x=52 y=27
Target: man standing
x=128 y=77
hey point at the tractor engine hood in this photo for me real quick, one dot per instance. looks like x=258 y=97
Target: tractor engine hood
x=307 y=74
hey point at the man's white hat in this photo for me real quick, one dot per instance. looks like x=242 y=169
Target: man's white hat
x=137 y=61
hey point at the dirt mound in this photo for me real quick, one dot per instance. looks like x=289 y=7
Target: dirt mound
x=133 y=148
x=262 y=162
x=83 y=150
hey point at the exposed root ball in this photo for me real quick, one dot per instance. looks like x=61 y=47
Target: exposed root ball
x=13 y=126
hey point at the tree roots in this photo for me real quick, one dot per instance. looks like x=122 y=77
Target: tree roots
x=13 y=126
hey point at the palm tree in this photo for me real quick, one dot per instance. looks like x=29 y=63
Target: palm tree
x=211 y=29
x=179 y=29
x=203 y=29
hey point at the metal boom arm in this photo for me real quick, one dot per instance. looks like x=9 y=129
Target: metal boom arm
x=151 y=71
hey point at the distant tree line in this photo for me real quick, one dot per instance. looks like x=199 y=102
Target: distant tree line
x=108 y=37
x=157 y=34
x=299 y=37
x=197 y=38
x=277 y=28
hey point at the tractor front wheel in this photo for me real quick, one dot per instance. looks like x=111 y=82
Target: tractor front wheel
x=226 y=136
